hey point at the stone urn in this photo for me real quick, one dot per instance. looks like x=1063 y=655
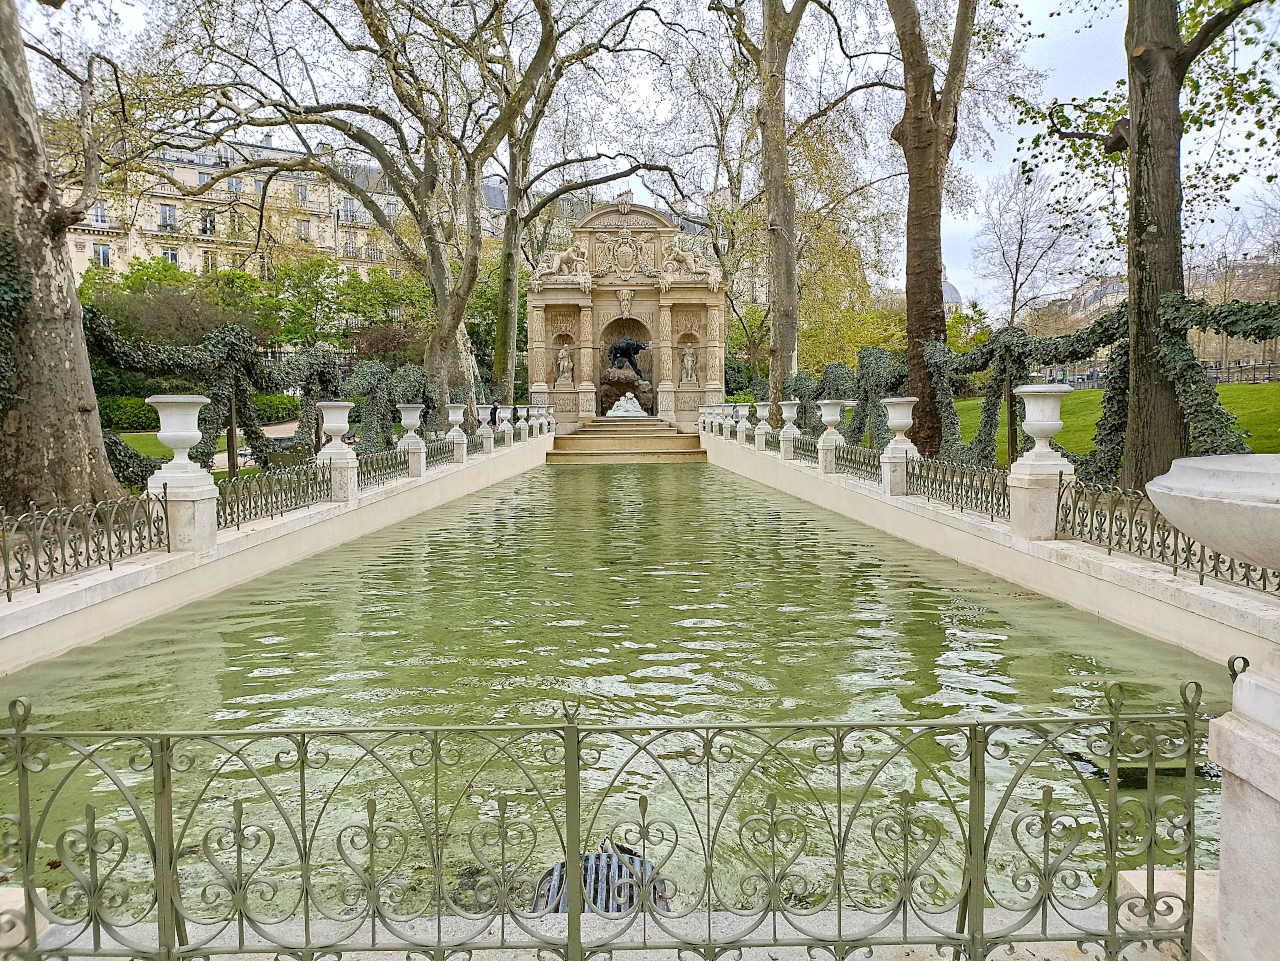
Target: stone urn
x=832 y=412
x=762 y=414
x=1230 y=503
x=455 y=417
x=898 y=416
x=790 y=408
x=1043 y=420
x=334 y=415
x=410 y=416
x=179 y=428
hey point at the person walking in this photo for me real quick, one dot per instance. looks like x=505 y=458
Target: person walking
x=493 y=415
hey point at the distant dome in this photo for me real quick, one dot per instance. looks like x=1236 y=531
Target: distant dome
x=950 y=293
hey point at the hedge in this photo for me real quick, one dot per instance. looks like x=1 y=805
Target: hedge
x=135 y=414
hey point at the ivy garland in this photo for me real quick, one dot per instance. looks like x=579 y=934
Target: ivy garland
x=15 y=292
x=1011 y=352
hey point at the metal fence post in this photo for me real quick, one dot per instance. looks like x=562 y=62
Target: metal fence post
x=573 y=840
x=162 y=787
x=975 y=895
x=19 y=714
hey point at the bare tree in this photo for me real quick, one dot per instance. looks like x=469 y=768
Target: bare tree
x=1023 y=247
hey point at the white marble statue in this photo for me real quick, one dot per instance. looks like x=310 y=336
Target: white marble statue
x=564 y=368
x=626 y=407
x=689 y=366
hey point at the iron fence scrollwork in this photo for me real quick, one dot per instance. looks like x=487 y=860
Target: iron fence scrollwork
x=829 y=837
x=805 y=448
x=1126 y=521
x=962 y=486
x=382 y=467
x=861 y=462
x=439 y=452
x=39 y=546
x=268 y=493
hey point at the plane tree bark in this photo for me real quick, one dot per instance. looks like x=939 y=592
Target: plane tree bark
x=51 y=447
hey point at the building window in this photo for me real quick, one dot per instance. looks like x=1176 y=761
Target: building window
x=304 y=230
x=235 y=221
x=349 y=246
x=99 y=214
x=102 y=255
x=392 y=210
x=263 y=272
x=169 y=254
x=205 y=177
x=208 y=261
x=233 y=184
x=348 y=208
x=301 y=191
x=168 y=217
x=208 y=222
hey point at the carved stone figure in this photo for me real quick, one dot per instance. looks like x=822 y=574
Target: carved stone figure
x=564 y=368
x=689 y=366
x=564 y=263
x=626 y=406
x=624 y=301
x=623 y=352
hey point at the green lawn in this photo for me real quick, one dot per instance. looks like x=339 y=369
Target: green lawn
x=1256 y=406
x=146 y=443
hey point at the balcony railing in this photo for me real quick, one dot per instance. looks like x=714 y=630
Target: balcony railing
x=1126 y=521
x=43 y=545
x=827 y=838
x=962 y=486
x=269 y=493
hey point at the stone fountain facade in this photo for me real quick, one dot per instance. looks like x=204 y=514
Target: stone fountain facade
x=627 y=273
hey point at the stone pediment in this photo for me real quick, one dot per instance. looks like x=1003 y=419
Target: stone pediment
x=636 y=217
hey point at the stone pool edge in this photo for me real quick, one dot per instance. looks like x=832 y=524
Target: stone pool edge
x=76 y=611
x=1214 y=621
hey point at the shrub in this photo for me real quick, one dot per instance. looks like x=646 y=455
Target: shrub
x=275 y=408
x=127 y=413
x=740 y=399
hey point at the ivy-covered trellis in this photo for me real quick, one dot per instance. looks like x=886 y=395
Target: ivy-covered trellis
x=1012 y=353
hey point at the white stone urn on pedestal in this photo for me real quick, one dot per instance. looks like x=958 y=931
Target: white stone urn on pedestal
x=1034 y=477
x=763 y=430
x=832 y=412
x=191 y=498
x=180 y=430
x=410 y=420
x=1230 y=503
x=789 y=432
x=456 y=412
x=893 y=459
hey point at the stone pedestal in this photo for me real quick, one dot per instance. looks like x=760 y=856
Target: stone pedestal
x=789 y=432
x=586 y=401
x=1246 y=743
x=522 y=425
x=456 y=433
x=486 y=437
x=667 y=401
x=763 y=430
x=1034 y=477
x=893 y=459
x=345 y=467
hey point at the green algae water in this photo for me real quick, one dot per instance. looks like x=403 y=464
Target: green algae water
x=636 y=594
x=645 y=593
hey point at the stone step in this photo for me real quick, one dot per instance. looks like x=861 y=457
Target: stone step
x=598 y=430
x=625 y=457
x=625 y=441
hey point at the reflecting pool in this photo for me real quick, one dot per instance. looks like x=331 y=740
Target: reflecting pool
x=647 y=593
x=644 y=594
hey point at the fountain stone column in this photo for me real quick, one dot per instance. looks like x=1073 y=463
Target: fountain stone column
x=1034 y=477
x=190 y=493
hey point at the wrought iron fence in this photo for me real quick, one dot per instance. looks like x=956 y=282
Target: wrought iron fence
x=440 y=452
x=268 y=493
x=42 y=545
x=1126 y=521
x=475 y=444
x=827 y=837
x=963 y=486
x=805 y=448
x=751 y=435
x=384 y=466
x=773 y=441
x=861 y=462
x=500 y=438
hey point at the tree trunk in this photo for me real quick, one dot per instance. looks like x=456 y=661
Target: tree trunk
x=926 y=320
x=504 y=341
x=51 y=447
x=780 y=201
x=1156 y=431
